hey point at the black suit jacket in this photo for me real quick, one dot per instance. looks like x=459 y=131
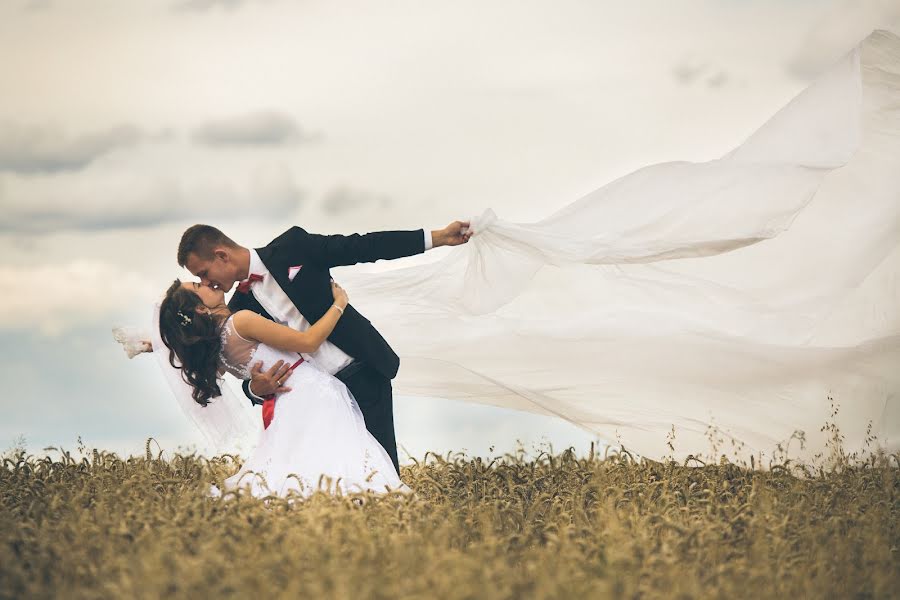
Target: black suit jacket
x=310 y=291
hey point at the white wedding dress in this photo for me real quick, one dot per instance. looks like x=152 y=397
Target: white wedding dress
x=317 y=438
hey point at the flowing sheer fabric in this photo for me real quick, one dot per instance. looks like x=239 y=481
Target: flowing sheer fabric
x=228 y=423
x=739 y=293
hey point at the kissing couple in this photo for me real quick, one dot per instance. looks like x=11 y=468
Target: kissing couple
x=320 y=369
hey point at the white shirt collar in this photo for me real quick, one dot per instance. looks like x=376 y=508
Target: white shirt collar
x=256 y=264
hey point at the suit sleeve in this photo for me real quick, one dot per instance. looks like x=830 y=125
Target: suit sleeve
x=341 y=250
x=245 y=385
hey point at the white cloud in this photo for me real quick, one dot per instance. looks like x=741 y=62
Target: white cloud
x=48 y=149
x=53 y=298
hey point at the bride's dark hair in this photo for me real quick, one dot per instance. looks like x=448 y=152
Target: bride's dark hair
x=193 y=338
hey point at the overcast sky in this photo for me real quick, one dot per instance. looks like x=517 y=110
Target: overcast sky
x=123 y=123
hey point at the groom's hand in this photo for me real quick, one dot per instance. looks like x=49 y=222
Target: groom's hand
x=454 y=234
x=270 y=382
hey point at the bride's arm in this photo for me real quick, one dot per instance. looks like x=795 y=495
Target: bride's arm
x=251 y=326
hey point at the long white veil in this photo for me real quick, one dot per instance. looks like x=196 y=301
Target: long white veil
x=745 y=293
x=226 y=422
x=730 y=303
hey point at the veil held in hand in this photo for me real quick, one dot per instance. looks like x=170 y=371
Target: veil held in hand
x=734 y=302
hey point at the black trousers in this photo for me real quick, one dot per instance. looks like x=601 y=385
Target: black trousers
x=374 y=395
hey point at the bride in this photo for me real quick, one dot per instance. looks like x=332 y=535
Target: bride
x=317 y=437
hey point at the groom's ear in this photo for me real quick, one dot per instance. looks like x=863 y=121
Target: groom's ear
x=221 y=254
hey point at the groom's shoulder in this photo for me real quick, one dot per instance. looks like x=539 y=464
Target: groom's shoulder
x=291 y=235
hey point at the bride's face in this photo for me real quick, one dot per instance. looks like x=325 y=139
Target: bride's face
x=211 y=298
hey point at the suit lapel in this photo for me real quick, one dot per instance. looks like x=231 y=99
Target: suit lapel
x=279 y=270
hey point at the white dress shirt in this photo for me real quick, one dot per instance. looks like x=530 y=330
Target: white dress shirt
x=280 y=307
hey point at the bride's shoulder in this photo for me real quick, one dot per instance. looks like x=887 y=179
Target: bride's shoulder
x=243 y=321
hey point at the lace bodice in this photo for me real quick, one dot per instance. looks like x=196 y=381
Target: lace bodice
x=236 y=352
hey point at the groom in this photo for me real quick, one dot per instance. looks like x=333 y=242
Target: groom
x=289 y=281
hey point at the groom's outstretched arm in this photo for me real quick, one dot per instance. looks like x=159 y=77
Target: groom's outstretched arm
x=342 y=250
x=339 y=250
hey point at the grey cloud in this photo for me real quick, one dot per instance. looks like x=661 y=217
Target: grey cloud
x=47 y=149
x=342 y=200
x=688 y=73
x=718 y=80
x=204 y=5
x=36 y=5
x=261 y=128
x=200 y=6
x=93 y=205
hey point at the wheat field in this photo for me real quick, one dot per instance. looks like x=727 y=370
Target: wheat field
x=552 y=526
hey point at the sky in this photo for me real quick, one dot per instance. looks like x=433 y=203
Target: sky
x=121 y=124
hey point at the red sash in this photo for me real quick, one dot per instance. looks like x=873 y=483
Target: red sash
x=268 y=407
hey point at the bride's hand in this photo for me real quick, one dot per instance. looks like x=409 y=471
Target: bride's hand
x=134 y=341
x=340 y=295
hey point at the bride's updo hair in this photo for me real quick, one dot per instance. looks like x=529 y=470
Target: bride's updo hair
x=193 y=338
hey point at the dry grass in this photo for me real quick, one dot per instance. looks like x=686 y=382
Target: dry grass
x=555 y=526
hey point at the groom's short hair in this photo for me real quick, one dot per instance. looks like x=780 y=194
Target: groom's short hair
x=201 y=240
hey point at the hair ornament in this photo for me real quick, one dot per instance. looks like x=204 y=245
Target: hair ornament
x=185 y=320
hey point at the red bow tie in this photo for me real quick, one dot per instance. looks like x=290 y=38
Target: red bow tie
x=244 y=286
